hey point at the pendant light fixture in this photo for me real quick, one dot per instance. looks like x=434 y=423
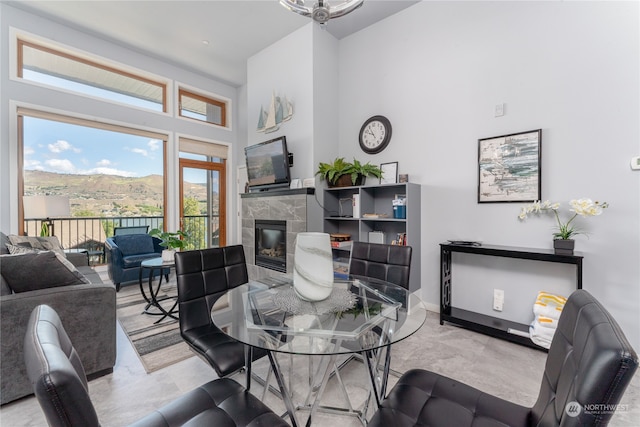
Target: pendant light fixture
x=322 y=11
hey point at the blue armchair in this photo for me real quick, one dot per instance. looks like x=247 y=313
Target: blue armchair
x=126 y=252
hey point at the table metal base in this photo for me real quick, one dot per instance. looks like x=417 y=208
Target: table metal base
x=319 y=378
x=153 y=302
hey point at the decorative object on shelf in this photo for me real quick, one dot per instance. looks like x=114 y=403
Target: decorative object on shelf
x=313 y=266
x=280 y=110
x=564 y=246
x=399 y=204
x=341 y=173
x=563 y=238
x=403 y=177
x=509 y=168
x=171 y=241
x=389 y=173
x=375 y=134
x=322 y=12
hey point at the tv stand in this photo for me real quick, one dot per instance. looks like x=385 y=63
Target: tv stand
x=493 y=326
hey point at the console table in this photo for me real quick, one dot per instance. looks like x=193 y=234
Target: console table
x=493 y=326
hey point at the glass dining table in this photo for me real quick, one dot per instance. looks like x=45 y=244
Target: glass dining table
x=362 y=316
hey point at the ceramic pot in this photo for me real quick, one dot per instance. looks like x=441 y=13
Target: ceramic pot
x=345 y=181
x=167 y=255
x=564 y=246
x=313 y=266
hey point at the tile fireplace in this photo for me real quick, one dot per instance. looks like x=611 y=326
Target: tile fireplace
x=292 y=211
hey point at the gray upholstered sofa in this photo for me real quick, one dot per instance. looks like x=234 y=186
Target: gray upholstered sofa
x=88 y=311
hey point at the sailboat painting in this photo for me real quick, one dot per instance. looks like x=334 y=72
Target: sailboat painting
x=280 y=110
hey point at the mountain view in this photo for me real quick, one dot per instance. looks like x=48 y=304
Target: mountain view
x=107 y=195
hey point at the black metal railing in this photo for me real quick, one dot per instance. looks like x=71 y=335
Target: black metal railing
x=90 y=233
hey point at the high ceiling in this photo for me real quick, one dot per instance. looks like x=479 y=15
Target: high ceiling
x=176 y=31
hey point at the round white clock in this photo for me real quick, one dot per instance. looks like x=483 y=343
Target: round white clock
x=375 y=134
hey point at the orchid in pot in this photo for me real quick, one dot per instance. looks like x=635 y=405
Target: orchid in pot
x=563 y=237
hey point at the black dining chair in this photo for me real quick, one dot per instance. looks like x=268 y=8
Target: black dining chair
x=589 y=365
x=390 y=263
x=203 y=276
x=61 y=387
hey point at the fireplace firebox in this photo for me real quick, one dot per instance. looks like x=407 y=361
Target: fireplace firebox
x=271 y=244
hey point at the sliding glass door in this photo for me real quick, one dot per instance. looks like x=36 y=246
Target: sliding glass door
x=203 y=202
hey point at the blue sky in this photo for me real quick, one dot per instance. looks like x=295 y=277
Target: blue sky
x=63 y=148
x=52 y=146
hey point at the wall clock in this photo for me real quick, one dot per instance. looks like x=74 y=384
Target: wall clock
x=375 y=134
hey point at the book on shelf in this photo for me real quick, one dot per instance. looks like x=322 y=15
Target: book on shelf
x=374 y=215
x=401 y=239
x=346 y=244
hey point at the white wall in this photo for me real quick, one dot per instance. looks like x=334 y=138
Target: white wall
x=325 y=99
x=437 y=69
x=303 y=67
x=284 y=68
x=40 y=96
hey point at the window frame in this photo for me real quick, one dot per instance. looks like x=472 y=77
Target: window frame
x=22 y=110
x=20 y=39
x=207 y=97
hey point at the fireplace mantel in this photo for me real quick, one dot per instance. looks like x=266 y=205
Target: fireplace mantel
x=278 y=193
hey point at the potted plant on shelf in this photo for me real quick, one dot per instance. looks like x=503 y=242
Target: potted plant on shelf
x=341 y=173
x=563 y=242
x=171 y=241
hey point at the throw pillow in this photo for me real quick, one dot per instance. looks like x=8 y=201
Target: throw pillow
x=43 y=243
x=19 y=249
x=4 y=241
x=37 y=270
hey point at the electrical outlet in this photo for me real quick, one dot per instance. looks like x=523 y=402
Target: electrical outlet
x=498 y=110
x=498 y=299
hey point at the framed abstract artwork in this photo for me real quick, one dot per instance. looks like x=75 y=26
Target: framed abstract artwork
x=509 y=168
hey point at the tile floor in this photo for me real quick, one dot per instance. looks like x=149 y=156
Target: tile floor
x=498 y=367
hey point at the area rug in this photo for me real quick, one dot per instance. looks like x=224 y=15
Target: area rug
x=158 y=345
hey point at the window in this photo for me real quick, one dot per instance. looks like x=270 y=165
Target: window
x=203 y=192
x=109 y=175
x=202 y=108
x=63 y=70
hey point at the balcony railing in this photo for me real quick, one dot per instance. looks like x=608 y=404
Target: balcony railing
x=90 y=233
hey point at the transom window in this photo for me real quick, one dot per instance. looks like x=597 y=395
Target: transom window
x=200 y=107
x=62 y=70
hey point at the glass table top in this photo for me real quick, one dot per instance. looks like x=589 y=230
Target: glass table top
x=360 y=314
x=156 y=263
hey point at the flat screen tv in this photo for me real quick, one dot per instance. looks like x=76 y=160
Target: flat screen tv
x=268 y=165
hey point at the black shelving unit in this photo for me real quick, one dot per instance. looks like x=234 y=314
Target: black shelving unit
x=493 y=326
